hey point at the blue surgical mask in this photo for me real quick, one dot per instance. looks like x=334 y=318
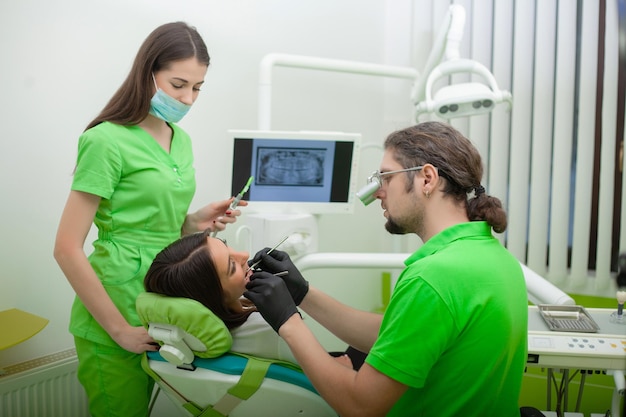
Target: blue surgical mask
x=166 y=107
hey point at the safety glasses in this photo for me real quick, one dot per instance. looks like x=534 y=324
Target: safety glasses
x=374 y=181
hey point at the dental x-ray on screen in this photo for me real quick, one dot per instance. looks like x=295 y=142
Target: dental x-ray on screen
x=296 y=172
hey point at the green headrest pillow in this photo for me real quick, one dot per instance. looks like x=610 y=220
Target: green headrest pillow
x=191 y=316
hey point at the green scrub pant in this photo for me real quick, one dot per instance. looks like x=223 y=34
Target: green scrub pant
x=113 y=379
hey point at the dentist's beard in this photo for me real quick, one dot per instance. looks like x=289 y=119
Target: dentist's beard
x=394 y=228
x=409 y=221
x=403 y=226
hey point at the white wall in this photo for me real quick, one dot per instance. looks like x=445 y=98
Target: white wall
x=63 y=59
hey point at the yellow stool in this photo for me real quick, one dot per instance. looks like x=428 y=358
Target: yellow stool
x=17 y=326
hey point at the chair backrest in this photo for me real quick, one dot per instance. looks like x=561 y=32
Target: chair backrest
x=184 y=328
x=221 y=383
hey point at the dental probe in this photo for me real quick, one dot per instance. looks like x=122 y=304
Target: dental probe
x=268 y=252
x=238 y=198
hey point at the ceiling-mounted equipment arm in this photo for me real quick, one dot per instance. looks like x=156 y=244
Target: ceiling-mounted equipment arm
x=446 y=45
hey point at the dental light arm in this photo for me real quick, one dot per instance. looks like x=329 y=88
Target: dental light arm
x=446 y=44
x=540 y=290
x=470 y=99
x=323 y=64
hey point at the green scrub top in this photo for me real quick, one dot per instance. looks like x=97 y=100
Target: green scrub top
x=455 y=330
x=145 y=196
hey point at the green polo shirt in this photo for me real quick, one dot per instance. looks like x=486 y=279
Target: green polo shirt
x=455 y=330
x=145 y=195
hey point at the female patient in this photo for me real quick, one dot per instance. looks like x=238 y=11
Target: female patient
x=204 y=269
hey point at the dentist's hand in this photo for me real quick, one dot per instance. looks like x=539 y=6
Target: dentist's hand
x=278 y=261
x=271 y=297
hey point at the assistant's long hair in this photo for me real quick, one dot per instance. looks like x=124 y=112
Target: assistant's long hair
x=186 y=269
x=457 y=161
x=168 y=43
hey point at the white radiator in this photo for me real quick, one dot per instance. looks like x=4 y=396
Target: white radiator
x=43 y=387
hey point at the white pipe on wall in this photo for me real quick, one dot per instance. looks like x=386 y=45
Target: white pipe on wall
x=324 y=64
x=540 y=290
x=351 y=260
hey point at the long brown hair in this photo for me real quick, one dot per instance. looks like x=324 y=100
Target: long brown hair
x=457 y=161
x=166 y=44
x=186 y=269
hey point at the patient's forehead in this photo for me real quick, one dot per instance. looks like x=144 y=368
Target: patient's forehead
x=220 y=254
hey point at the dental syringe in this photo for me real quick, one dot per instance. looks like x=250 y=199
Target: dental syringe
x=237 y=199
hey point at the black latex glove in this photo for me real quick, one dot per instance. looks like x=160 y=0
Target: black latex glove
x=278 y=261
x=270 y=295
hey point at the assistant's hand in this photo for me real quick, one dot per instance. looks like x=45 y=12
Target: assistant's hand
x=278 y=261
x=271 y=297
x=214 y=216
x=135 y=339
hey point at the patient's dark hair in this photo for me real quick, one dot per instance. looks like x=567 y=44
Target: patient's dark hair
x=185 y=269
x=457 y=161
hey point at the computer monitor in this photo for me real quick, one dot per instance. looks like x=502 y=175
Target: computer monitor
x=295 y=172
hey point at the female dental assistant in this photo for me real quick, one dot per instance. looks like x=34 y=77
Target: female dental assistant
x=134 y=179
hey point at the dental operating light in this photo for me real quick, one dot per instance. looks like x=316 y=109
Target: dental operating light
x=457 y=99
x=462 y=99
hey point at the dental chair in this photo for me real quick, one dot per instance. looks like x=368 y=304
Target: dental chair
x=197 y=370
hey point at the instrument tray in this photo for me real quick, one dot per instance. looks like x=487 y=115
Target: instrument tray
x=560 y=318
